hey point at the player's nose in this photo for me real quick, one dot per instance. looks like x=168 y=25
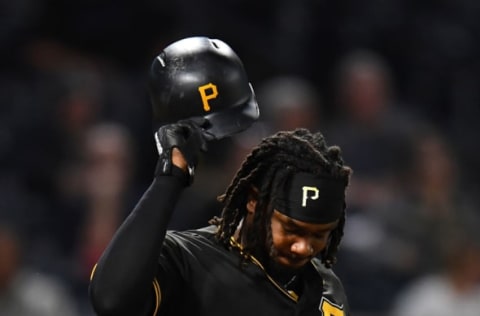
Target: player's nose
x=302 y=247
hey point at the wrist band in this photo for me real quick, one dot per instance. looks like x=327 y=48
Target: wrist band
x=185 y=176
x=166 y=168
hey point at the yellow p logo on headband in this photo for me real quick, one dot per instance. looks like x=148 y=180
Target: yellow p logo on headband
x=305 y=195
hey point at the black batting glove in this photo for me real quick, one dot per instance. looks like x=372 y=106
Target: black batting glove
x=189 y=137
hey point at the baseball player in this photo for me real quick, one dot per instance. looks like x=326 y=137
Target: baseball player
x=271 y=250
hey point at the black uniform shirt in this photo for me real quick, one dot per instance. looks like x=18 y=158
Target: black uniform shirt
x=199 y=276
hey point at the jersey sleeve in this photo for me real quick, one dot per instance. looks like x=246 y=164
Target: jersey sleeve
x=182 y=268
x=123 y=281
x=171 y=276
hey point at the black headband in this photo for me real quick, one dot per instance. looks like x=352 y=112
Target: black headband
x=310 y=198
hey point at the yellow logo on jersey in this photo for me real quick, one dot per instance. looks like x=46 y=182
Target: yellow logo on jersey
x=205 y=97
x=330 y=309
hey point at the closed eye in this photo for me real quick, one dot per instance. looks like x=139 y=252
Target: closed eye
x=322 y=235
x=292 y=231
x=302 y=233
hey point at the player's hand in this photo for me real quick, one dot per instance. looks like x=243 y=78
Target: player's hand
x=188 y=137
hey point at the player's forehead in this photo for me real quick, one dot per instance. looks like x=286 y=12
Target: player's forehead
x=294 y=223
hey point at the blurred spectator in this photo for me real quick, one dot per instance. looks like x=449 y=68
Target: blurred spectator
x=454 y=289
x=288 y=102
x=371 y=126
x=25 y=291
x=97 y=191
x=433 y=201
x=106 y=187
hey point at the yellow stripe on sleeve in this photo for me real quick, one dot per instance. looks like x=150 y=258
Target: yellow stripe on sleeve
x=158 y=296
x=93 y=271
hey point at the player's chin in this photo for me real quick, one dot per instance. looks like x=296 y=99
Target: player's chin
x=292 y=263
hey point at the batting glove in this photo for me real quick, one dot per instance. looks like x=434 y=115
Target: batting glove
x=186 y=135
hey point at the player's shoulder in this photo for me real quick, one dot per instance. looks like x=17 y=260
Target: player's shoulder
x=200 y=235
x=207 y=231
x=195 y=244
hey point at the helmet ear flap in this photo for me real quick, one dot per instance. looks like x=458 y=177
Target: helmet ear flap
x=233 y=120
x=205 y=78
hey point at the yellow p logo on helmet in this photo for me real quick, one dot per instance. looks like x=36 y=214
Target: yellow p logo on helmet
x=205 y=97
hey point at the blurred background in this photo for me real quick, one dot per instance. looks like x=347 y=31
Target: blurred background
x=394 y=83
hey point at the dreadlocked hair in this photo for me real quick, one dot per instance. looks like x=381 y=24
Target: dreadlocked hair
x=267 y=166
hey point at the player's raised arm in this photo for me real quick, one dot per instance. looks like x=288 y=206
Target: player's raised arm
x=122 y=282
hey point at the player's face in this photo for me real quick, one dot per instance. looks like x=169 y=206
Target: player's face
x=295 y=242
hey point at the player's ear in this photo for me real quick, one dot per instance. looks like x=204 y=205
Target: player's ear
x=252 y=199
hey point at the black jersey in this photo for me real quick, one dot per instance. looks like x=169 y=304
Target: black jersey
x=199 y=276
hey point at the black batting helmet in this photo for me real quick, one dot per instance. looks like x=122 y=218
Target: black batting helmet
x=202 y=77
